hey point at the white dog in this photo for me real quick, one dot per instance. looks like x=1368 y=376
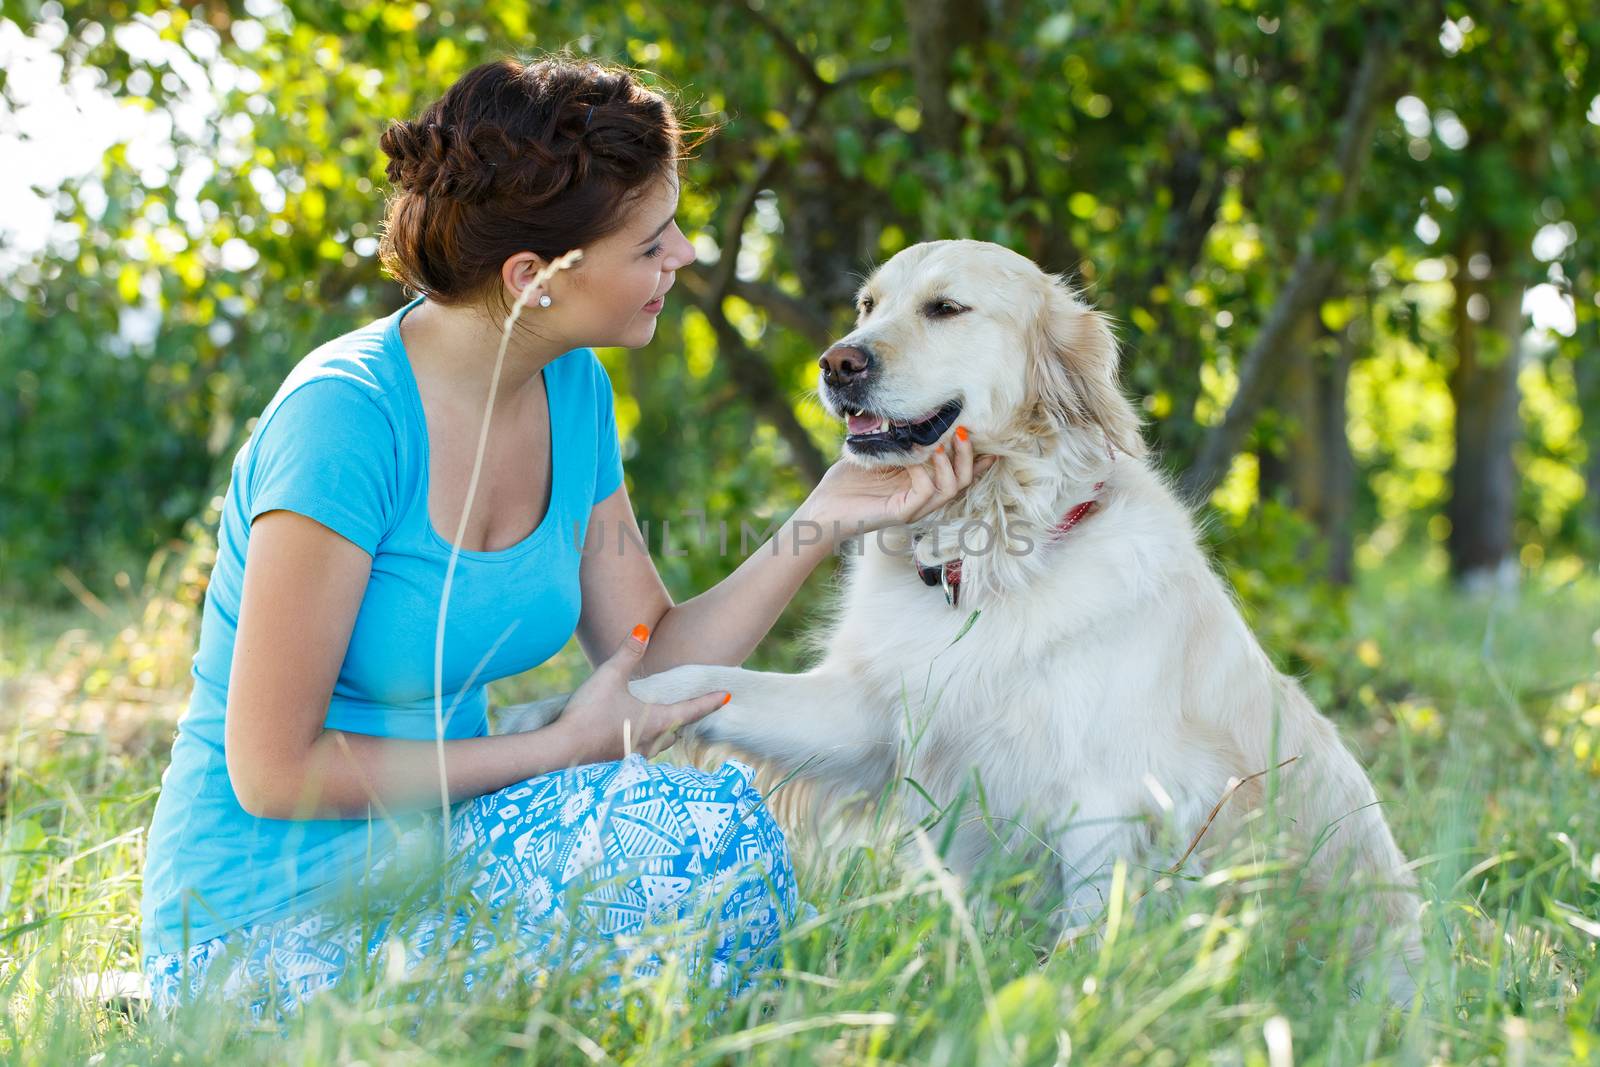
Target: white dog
x=1108 y=693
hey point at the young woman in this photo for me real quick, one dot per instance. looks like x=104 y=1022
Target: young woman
x=312 y=739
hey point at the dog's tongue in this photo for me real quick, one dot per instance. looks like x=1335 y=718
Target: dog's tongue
x=863 y=423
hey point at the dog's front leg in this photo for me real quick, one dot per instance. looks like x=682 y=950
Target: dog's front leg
x=821 y=720
x=1097 y=834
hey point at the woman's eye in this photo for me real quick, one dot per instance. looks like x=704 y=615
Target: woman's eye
x=655 y=250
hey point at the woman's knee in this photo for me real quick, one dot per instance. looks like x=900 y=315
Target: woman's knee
x=629 y=822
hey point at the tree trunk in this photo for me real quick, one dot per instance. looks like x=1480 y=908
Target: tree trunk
x=1315 y=463
x=1483 y=386
x=1303 y=408
x=1336 y=473
x=1272 y=471
x=1586 y=373
x=1282 y=462
x=1313 y=270
x=937 y=29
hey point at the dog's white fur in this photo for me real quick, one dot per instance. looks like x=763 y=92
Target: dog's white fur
x=1109 y=692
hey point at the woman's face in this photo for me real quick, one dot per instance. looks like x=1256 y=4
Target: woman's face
x=614 y=294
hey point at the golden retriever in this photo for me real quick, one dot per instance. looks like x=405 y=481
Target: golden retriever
x=1108 y=693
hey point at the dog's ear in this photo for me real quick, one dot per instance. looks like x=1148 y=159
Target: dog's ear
x=1072 y=370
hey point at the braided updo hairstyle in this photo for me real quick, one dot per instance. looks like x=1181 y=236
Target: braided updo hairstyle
x=512 y=159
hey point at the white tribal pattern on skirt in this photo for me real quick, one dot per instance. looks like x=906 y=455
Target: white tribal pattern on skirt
x=594 y=860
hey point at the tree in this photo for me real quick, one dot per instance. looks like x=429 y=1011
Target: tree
x=1501 y=96
x=1173 y=158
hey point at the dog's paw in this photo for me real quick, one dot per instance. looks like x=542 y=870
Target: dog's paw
x=682 y=683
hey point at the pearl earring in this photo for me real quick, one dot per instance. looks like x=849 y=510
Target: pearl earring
x=544 y=300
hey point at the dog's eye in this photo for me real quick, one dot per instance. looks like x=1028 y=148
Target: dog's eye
x=866 y=305
x=942 y=309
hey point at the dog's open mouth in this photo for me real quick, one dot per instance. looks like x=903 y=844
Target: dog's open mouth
x=870 y=432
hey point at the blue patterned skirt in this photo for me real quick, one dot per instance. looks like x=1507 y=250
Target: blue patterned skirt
x=611 y=860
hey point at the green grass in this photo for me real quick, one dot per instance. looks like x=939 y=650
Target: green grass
x=1479 y=720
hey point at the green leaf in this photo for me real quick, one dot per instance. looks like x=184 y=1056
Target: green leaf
x=965 y=627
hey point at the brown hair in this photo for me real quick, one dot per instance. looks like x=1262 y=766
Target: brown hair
x=519 y=157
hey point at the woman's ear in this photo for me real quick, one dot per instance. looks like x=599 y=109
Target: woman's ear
x=518 y=271
x=1072 y=370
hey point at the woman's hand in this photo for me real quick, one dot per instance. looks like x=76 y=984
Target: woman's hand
x=604 y=721
x=861 y=500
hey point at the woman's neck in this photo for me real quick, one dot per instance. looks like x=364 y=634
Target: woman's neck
x=454 y=348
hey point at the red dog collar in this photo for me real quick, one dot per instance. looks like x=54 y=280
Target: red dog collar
x=948 y=576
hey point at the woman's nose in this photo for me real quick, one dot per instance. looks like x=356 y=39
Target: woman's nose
x=686 y=254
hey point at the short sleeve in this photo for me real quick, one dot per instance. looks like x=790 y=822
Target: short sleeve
x=327 y=451
x=608 y=448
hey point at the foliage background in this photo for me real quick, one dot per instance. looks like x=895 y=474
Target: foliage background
x=1185 y=161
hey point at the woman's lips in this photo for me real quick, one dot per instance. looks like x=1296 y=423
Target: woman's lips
x=659 y=302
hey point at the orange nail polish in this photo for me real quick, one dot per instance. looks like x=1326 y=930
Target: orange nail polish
x=641 y=632
x=939 y=449
x=725 y=698
x=961 y=432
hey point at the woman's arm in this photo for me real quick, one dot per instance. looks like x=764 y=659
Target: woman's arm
x=303 y=585
x=621 y=587
x=724 y=624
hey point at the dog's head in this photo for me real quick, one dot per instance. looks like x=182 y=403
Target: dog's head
x=969 y=331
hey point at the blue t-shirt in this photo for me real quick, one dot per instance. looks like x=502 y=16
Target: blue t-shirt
x=344 y=441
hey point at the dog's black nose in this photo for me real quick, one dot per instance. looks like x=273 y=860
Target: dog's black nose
x=843 y=364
